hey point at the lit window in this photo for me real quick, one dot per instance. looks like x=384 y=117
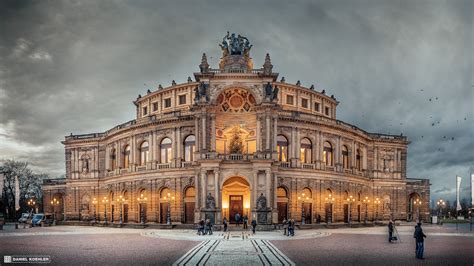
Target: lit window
x=282 y=148
x=327 y=154
x=345 y=156
x=126 y=156
x=165 y=148
x=305 y=151
x=189 y=148
x=144 y=153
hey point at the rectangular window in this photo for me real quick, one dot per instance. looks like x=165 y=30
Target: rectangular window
x=289 y=99
x=316 y=107
x=182 y=99
x=155 y=107
x=145 y=110
x=304 y=103
x=326 y=111
x=167 y=103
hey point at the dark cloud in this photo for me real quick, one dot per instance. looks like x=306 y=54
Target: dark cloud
x=76 y=66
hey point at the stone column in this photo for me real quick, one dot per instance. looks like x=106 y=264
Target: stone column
x=216 y=187
x=204 y=128
x=196 y=132
x=267 y=133
x=258 y=135
x=213 y=132
x=275 y=133
x=254 y=190
x=203 y=188
x=268 y=185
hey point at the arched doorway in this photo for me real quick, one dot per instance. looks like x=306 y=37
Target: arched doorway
x=282 y=204
x=235 y=198
x=308 y=205
x=189 y=204
x=165 y=193
x=413 y=209
x=125 y=206
x=329 y=199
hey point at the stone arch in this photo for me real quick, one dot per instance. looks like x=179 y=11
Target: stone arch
x=216 y=92
x=236 y=197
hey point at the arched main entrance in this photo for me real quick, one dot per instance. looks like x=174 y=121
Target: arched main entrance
x=235 y=198
x=413 y=209
x=189 y=204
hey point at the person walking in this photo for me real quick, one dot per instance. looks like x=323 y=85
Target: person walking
x=254 y=224
x=245 y=221
x=390 y=231
x=209 y=226
x=237 y=219
x=285 y=226
x=419 y=240
x=206 y=227
x=225 y=224
x=201 y=227
x=291 y=228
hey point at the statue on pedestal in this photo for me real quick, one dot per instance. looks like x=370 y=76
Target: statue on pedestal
x=261 y=202
x=210 y=202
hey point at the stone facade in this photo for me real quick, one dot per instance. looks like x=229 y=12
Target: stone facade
x=232 y=136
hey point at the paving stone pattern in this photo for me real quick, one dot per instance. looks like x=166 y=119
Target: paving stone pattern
x=236 y=248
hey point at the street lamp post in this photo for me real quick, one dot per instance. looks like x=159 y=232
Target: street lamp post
x=94 y=202
x=141 y=200
x=330 y=199
x=54 y=202
x=441 y=205
x=349 y=200
x=31 y=203
x=105 y=201
x=168 y=199
x=377 y=203
x=366 y=201
x=120 y=201
x=302 y=199
x=417 y=203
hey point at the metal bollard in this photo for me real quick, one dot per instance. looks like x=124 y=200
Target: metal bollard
x=16 y=226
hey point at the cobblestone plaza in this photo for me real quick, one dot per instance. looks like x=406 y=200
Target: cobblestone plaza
x=74 y=245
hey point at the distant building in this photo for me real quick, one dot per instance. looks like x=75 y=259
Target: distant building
x=237 y=140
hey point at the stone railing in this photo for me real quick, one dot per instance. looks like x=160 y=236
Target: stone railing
x=285 y=164
x=308 y=166
x=141 y=168
x=186 y=164
x=163 y=166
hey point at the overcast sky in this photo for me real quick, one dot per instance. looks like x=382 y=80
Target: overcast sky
x=395 y=66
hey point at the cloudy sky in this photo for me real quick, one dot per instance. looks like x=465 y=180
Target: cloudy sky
x=395 y=66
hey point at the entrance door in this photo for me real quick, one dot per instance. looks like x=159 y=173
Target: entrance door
x=125 y=213
x=142 y=208
x=328 y=213
x=189 y=212
x=236 y=205
x=163 y=212
x=307 y=212
x=282 y=211
x=346 y=213
x=358 y=213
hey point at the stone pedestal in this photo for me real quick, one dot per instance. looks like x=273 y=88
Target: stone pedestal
x=264 y=216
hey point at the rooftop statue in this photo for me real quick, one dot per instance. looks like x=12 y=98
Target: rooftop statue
x=235 y=45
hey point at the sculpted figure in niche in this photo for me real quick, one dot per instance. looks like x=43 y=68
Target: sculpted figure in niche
x=210 y=202
x=386 y=202
x=262 y=202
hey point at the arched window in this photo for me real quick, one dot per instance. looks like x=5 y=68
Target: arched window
x=306 y=151
x=358 y=160
x=327 y=154
x=113 y=159
x=144 y=153
x=165 y=148
x=282 y=148
x=126 y=157
x=345 y=156
x=189 y=148
x=307 y=192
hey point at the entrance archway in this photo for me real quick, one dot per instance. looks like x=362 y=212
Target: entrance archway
x=189 y=204
x=282 y=204
x=413 y=211
x=235 y=198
